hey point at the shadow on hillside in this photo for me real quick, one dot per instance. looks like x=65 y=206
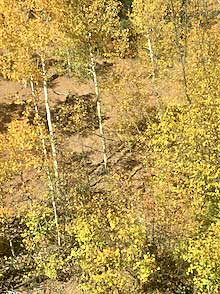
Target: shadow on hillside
x=103 y=68
x=76 y=115
x=9 y=112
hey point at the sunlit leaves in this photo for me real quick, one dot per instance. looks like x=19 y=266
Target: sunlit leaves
x=185 y=151
x=20 y=147
x=203 y=255
x=109 y=249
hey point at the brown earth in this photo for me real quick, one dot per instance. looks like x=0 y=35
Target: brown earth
x=120 y=157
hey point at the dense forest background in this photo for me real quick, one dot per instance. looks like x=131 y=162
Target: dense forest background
x=110 y=142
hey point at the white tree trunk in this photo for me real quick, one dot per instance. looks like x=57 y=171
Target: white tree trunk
x=49 y=122
x=99 y=107
x=12 y=248
x=52 y=187
x=50 y=182
x=150 y=48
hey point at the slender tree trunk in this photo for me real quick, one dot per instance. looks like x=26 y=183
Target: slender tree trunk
x=68 y=63
x=52 y=187
x=38 y=117
x=49 y=122
x=99 y=107
x=50 y=182
x=11 y=248
x=182 y=55
x=152 y=57
x=154 y=74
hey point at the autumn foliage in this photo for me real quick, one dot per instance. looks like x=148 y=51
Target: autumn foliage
x=115 y=190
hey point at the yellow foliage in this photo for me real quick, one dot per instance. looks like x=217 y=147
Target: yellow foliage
x=184 y=147
x=110 y=247
x=203 y=255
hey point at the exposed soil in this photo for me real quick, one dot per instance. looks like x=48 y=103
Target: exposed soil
x=120 y=157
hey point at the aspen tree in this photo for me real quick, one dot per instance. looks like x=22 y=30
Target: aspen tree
x=49 y=177
x=99 y=108
x=43 y=41
x=36 y=37
x=163 y=29
x=153 y=40
x=95 y=27
x=179 y=20
x=53 y=149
